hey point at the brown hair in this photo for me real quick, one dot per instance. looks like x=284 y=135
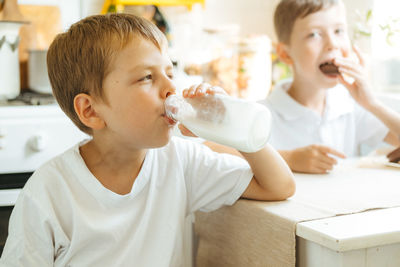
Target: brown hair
x=79 y=59
x=288 y=11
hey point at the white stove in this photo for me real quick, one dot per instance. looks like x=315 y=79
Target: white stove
x=30 y=135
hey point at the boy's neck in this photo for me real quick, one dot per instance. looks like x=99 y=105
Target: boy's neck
x=115 y=168
x=308 y=95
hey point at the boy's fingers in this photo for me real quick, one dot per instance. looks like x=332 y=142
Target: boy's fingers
x=194 y=90
x=353 y=74
x=344 y=82
x=328 y=160
x=348 y=67
x=193 y=87
x=328 y=150
x=216 y=90
x=394 y=155
x=202 y=89
x=319 y=170
x=325 y=166
x=359 y=55
x=185 y=131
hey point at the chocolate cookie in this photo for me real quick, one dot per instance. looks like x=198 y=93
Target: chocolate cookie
x=329 y=68
x=394 y=156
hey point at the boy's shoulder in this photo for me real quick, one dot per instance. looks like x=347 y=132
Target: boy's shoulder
x=180 y=149
x=53 y=172
x=338 y=102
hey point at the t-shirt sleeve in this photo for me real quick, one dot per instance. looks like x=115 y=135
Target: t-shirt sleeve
x=214 y=179
x=29 y=241
x=369 y=129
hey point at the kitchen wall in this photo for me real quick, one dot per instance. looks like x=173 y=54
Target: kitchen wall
x=253 y=16
x=70 y=9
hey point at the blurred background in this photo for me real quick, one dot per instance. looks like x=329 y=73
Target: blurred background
x=225 y=42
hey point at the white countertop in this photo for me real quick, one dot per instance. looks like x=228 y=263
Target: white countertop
x=354 y=231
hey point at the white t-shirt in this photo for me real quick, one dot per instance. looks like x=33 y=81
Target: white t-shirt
x=344 y=125
x=65 y=217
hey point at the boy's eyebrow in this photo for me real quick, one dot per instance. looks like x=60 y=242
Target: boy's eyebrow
x=146 y=66
x=315 y=25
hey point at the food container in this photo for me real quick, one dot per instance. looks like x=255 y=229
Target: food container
x=240 y=65
x=215 y=58
x=38 y=78
x=9 y=61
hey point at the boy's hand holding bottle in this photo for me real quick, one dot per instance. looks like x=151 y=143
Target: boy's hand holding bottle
x=198 y=90
x=208 y=112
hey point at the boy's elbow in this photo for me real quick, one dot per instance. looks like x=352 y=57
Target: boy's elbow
x=290 y=189
x=287 y=190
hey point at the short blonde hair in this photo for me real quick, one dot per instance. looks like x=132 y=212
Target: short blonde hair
x=288 y=11
x=78 y=60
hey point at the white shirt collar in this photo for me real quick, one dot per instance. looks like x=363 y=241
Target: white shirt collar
x=338 y=103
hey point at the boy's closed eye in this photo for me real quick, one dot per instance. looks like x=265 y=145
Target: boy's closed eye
x=146 y=78
x=150 y=77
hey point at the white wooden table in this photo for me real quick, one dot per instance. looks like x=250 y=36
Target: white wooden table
x=369 y=235
x=366 y=239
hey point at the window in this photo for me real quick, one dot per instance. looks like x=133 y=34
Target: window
x=386 y=45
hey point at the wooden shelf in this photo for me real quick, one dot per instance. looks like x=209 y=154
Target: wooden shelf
x=121 y=3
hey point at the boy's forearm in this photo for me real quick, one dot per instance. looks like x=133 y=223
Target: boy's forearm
x=271 y=171
x=286 y=155
x=388 y=116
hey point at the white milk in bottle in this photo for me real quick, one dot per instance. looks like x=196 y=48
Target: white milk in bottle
x=226 y=120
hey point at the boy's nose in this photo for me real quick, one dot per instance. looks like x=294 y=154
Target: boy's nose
x=332 y=42
x=168 y=88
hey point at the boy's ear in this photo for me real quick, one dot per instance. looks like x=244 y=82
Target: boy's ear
x=281 y=50
x=85 y=109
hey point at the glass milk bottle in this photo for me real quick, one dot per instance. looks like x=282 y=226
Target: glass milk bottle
x=226 y=120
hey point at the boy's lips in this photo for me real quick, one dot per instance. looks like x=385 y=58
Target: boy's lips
x=169 y=120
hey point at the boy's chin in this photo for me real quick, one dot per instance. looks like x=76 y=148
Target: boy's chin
x=165 y=140
x=330 y=81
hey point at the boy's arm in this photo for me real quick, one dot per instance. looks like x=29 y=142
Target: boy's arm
x=390 y=118
x=30 y=239
x=360 y=90
x=272 y=179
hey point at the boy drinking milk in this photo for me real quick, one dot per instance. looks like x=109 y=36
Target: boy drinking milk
x=327 y=109
x=121 y=198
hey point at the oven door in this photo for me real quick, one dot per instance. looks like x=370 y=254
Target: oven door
x=10 y=187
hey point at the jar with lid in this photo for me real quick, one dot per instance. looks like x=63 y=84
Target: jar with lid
x=215 y=58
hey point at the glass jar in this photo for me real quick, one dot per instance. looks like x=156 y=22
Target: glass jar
x=215 y=58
